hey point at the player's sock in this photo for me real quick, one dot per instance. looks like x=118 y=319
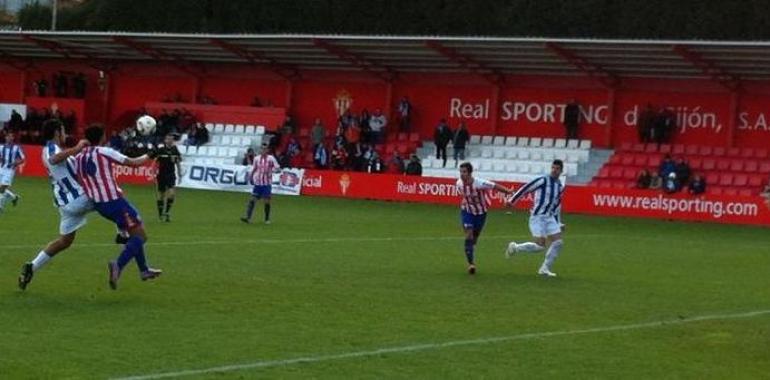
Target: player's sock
x=250 y=209
x=141 y=260
x=40 y=260
x=552 y=254
x=159 y=203
x=530 y=247
x=267 y=212
x=9 y=195
x=476 y=235
x=130 y=250
x=169 y=203
x=469 y=250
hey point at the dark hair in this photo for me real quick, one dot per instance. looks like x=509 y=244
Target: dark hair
x=94 y=134
x=467 y=166
x=558 y=163
x=50 y=127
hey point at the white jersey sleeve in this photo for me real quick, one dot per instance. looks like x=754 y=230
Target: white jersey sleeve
x=276 y=165
x=113 y=155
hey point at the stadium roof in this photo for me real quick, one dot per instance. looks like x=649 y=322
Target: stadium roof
x=493 y=58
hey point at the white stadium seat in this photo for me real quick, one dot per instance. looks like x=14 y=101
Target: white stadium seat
x=499 y=140
x=536 y=156
x=475 y=139
x=511 y=154
x=249 y=130
x=498 y=167
x=573 y=144
x=547 y=143
x=486 y=166
x=203 y=151
x=510 y=141
x=560 y=143
x=486 y=153
x=535 y=142
x=261 y=130
x=219 y=128
x=239 y=129
x=585 y=144
x=473 y=153
x=226 y=140
x=547 y=155
x=522 y=142
x=229 y=128
x=573 y=157
x=209 y=126
x=524 y=155
x=499 y=153
x=486 y=140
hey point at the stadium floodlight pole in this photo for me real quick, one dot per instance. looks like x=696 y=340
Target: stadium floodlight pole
x=54 y=8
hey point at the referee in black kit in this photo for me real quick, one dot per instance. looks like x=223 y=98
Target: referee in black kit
x=169 y=160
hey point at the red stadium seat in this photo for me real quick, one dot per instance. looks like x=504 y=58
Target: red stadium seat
x=755 y=180
x=761 y=153
x=751 y=166
x=616 y=159
x=620 y=185
x=745 y=192
x=696 y=163
x=677 y=149
x=747 y=152
x=616 y=173
x=734 y=152
x=731 y=191
x=625 y=147
x=715 y=190
x=654 y=161
x=720 y=151
x=691 y=150
x=709 y=164
x=726 y=179
x=665 y=149
x=723 y=164
x=638 y=148
x=705 y=151
x=402 y=136
x=414 y=137
x=736 y=165
x=604 y=172
x=741 y=180
x=764 y=167
x=712 y=178
x=605 y=184
x=402 y=149
x=304 y=133
x=628 y=160
x=629 y=174
x=641 y=160
x=389 y=149
x=651 y=148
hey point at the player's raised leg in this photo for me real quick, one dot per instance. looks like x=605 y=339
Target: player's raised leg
x=250 y=208
x=54 y=247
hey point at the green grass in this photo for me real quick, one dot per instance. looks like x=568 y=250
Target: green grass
x=228 y=299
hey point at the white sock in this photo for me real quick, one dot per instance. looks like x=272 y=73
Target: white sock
x=123 y=233
x=3 y=196
x=40 y=260
x=529 y=247
x=552 y=254
x=9 y=194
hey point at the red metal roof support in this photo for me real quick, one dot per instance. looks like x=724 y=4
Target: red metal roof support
x=494 y=77
x=178 y=62
x=717 y=74
x=611 y=100
x=732 y=124
x=385 y=74
x=604 y=77
x=288 y=72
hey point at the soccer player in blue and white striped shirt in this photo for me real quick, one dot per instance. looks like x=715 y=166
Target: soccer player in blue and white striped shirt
x=11 y=157
x=544 y=220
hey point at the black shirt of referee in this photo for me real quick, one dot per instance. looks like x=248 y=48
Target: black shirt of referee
x=168 y=157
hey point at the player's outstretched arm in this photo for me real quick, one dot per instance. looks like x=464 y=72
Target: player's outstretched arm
x=503 y=189
x=137 y=161
x=526 y=189
x=67 y=153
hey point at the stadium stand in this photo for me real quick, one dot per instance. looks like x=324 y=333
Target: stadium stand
x=729 y=171
x=515 y=159
x=227 y=146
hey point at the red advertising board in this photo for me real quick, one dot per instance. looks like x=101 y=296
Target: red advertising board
x=577 y=199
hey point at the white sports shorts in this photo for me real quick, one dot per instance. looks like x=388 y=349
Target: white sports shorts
x=73 y=215
x=544 y=225
x=6 y=176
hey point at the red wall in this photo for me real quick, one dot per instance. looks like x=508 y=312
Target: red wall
x=528 y=106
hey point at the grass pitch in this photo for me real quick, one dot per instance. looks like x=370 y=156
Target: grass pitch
x=334 y=281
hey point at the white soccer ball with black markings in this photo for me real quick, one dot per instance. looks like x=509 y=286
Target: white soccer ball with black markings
x=145 y=125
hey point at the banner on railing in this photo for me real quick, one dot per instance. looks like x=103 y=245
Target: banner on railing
x=237 y=178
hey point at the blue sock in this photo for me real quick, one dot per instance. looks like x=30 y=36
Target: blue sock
x=469 y=250
x=250 y=209
x=476 y=236
x=141 y=260
x=133 y=245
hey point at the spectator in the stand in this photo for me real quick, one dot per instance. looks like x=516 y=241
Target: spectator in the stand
x=339 y=158
x=459 y=141
x=288 y=128
x=346 y=119
x=363 y=123
x=377 y=124
x=317 y=133
x=293 y=152
x=248 y=157
x=396 y=164
x=41 y=87
x=187 y=121
x=116 y=142
x=375 y=163
x=671 y=184
x=643 y=179
x=201 y=135
x=321 y=156
x=414 y=167
x=79 y=85
x=697 y=185
x=357 y=157
x=404 y=114
x=655 y=181
x=353 y=134
x=667 y=166
x=16 y=122
x=60 y=85
x=646 y=123
x=682 y=171
x=665 y=124
x=572 y=119
x=441 y=137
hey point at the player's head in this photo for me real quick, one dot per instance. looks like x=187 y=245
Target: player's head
x=264 y=149
x=466 y=171
x=557 y=167
x=9 y=137
x=53 y=130
x=169 y=139
x=95 y=134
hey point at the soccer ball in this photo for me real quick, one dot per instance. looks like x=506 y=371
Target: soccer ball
x=145 y=125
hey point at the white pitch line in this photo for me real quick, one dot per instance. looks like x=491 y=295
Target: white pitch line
x=438 y=346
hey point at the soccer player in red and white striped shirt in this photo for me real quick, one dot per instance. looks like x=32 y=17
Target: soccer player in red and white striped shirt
x=265 y=165
x=476 y=197
x=94 y=169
